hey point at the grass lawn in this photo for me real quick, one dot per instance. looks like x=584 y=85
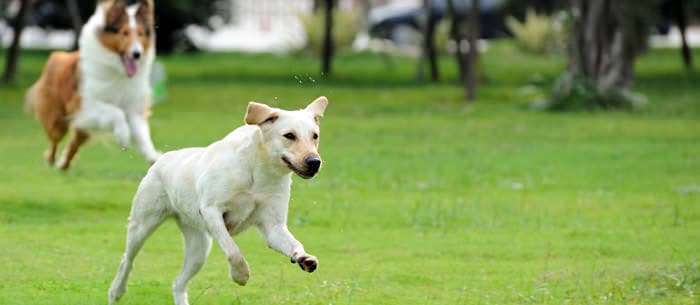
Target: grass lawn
x=422 y=199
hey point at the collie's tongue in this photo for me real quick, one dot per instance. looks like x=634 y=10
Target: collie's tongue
x=130 y=66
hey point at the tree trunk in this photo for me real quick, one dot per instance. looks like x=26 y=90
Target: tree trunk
x=13 y=53
x=76 y=21
x=604 y=44
x=472 y=52
x=428 y=46
x=317 y=5
x=327 y=52
x=456 y=34
x=679 y=10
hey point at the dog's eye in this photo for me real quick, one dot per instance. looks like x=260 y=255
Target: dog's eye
x=290 y=136
x=315 y=136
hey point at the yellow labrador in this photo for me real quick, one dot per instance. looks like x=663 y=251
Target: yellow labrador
x=220 y=190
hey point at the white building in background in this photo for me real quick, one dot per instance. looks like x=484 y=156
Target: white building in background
x=256 y=25
x=259 y=26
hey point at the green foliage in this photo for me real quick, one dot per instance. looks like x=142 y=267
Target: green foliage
x=422 y=200
x=443 y=39
x=538 y=33
x=345 y=29
x=576 y=93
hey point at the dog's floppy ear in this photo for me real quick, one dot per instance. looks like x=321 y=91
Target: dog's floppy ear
x=259 y=114
x=115 y=15
x=317 y=107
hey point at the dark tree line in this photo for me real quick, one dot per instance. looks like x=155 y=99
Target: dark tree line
x=171 y=18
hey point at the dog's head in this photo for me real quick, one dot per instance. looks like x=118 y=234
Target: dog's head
x=127 y=31
x=291 y=137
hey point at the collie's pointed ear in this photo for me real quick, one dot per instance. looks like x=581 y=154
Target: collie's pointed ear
x=146 y=5
x=144 y=15
x=258 y=114
x=115 y=15
x=317 y=107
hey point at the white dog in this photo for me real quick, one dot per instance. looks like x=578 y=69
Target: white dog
x=220 y=190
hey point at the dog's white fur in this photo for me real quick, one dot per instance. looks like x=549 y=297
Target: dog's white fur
x=110 y=100
x=220 y=190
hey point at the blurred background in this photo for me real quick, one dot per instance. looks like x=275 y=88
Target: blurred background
x=420 y=29
x=475 y=152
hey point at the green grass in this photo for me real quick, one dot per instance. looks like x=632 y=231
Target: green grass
x=422 y=200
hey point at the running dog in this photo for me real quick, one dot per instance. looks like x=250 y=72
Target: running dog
x=103 y=86
x=221 y=190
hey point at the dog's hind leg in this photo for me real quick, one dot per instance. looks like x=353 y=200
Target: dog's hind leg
x=56 y=128
x=197 y=246
x=78 y=139
x=148 y=211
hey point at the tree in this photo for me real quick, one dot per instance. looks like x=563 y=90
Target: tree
x=679 y=12
x=327 y=51
x=606 y=38
x=428 y=53
x=76 y=21
x=466 y=34
x=473 y=52
x=13 y=53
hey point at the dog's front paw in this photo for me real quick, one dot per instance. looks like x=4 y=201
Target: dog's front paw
x=239 y=271
x=122 y=135
x=306 y=262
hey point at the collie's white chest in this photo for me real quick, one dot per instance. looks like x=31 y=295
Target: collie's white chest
x=128 y=94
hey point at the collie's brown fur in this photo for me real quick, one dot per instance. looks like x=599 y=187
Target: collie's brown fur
x=117 y=35
x=53 y=98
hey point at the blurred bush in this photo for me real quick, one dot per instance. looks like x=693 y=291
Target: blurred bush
x=443 y=42
x=539 y=33
x=345 y=28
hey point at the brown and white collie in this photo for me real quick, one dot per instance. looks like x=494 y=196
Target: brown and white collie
x=103 y=86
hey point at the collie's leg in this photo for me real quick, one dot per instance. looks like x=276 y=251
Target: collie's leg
x=142 y=137
x=197 y=246
x=50 y=153
x=78 y=139
x=103 y=116
x=56 y=128
x=148 y=211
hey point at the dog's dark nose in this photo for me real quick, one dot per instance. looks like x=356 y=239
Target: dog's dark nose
x=312 y=164
x=136 y=55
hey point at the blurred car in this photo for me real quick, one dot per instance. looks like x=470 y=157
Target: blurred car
x=391 y=21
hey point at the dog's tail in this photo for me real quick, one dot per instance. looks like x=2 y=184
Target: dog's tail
x=30 y=100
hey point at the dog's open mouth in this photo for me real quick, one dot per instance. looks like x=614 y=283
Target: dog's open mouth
x=130 y=65
x=300 y=173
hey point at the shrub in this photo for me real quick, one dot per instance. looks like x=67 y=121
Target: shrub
x=538 y=33
x=344 y=30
